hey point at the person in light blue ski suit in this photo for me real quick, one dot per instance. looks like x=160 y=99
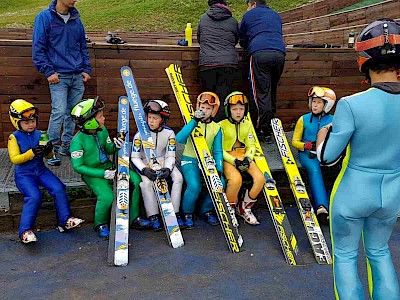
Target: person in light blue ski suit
x=320 y=101
x=206 y=109
x=365 y=198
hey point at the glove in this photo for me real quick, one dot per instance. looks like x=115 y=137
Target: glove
x=239 y=165
x=149 y=173
x=38 y=150
x=165 y=172
x=198 y=115
x=47 y=149
x=119 y=140
x=246 y=163
x=109 y=174
x=309 y=146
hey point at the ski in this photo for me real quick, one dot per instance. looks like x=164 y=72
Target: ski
x=310 y=222
x=226 y=214
x=120 y=213
x=280 y=220
x=160 y=186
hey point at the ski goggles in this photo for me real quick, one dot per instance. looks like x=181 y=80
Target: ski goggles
x=155 y=107
x=29 y=114
x=98 y=104
x=317 y=91
x=210 y=98
x=239 y=98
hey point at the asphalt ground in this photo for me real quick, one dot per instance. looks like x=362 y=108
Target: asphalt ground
x=74 y=265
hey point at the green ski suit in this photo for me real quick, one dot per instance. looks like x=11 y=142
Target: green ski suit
x=87 y=153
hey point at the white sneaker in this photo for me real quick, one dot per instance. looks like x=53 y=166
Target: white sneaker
x=28 y=237
x=248 y=216
x=72 y=222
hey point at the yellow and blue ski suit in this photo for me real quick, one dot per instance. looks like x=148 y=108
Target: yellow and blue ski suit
x=365 y=197
x=30 y=172
x=306 y=130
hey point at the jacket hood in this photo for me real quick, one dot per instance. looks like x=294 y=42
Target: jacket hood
x=219 y=12
x=389 y=87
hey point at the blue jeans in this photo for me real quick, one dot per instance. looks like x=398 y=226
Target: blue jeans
x=64 y=96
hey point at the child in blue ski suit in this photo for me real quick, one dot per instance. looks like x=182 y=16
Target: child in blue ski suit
x=365 y=198
x=206 y=108
x=320 y=101
x=30 y=172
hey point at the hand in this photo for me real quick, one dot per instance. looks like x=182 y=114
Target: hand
x=246 y=163
x=199 y=115
x=86 y=77
x=119 y=140
x=38 y=150
x=53 y=79
x=109 y=174
x=309 y=146
x=165 y=172
x=149 y=173
x=48 y=148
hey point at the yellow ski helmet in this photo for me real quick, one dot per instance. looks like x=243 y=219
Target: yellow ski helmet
x=22 y=110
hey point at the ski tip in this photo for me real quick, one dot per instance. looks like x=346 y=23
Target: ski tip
x=126 y=71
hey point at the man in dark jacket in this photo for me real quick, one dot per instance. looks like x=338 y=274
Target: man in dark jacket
x=261 y=35
x=59 y=51
x=218 y=34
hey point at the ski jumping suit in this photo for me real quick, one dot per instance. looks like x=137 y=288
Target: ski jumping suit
x=238 y=142
x=89 y=157
x=165 y=151
x=29 y=173
x=365 y=198
x=306 y=130
x=190 y=165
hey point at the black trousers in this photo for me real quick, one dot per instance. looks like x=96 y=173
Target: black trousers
x=266 y=68
x=218 y=80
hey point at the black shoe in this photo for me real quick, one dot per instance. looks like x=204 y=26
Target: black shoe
x=140 y=223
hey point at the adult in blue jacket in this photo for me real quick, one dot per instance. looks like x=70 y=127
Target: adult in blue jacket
x=59 y=51
x=261 y=34
x=365 y=198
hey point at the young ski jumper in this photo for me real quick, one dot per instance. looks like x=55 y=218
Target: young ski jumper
x=157 y=113
x=320 y=102
x=365 y=198
x=30 y=172
x=90 y=148
x=239 y=149
x=206 y=108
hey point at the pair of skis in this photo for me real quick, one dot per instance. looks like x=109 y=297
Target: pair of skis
x=119 y=225
x=160 y=185
x=224 y=211
x=308 y=216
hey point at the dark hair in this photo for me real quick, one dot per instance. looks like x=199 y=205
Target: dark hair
x=212 y=2
x=259 y=2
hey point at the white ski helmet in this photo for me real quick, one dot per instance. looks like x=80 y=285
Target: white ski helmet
x=326 y=94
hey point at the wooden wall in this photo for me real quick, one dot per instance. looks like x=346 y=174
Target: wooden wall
x=335 y=68
x=315 y=9
x=364 y=15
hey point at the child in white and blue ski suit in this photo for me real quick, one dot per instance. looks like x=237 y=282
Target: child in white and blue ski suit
x=206 y=108
x=320 y=102
x=365 y=198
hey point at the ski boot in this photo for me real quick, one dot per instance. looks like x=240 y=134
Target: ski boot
x=180 y=222
x=72 y=222
x=156 y=224
x=140 y=223
x=322 y=215
x=210 y=218
x=28 y=237
x=244 y=210
x=188 y=220
x=103 y=231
